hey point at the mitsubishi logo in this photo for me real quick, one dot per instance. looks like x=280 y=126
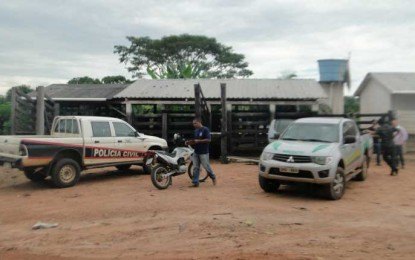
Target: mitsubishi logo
x=291 y=159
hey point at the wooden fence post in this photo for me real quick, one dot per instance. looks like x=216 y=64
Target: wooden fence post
x=164 y=125
x=224 y=125
x=129 y=111
x=56 y=109
x=13 y=112
x=40 y=110
x=198 y=107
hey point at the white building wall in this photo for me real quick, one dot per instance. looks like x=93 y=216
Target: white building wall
x=375 y=98
x=335 y=94
x=404 y=106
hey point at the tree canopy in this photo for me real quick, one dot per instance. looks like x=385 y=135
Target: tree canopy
x=23 y=88
x=351 y=104
x=84 y=80
x=115 y=80
x=181 y=56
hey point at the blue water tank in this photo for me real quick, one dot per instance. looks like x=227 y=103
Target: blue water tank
x=333 y=70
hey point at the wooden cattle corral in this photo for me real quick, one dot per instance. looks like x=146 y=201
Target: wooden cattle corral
x=238 y=111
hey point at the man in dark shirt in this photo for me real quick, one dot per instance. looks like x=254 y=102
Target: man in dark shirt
x=386 y=133
x=201 y=153
x=376 y=140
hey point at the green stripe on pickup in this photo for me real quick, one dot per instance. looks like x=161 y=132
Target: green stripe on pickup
x=320 y=147
x=276 y=145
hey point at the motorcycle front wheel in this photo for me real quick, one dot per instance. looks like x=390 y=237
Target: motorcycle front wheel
x=159 y=178
x=203 y=175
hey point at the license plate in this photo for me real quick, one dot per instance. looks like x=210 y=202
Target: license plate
x=149 y=161
x=289 y=170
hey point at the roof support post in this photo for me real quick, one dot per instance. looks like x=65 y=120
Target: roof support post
x=129 y=111
x=198 y=107
x=40 y=110
x=224 y=125
x=272 y=109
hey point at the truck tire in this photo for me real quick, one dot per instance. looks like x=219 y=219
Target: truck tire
x=65 y=173
x=337 y=187
x=123 y=168
x=363 y=174
x=35 y=176
x=268 y=185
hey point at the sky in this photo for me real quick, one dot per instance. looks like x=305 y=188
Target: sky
x=52 y=41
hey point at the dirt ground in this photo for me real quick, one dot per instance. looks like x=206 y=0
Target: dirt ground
x=110 y=214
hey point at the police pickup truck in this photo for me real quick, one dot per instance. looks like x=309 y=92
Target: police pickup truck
x=77 y=143
x=326 y=151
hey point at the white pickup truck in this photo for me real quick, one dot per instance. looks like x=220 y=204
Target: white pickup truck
x=77 y=143
x=326 y=151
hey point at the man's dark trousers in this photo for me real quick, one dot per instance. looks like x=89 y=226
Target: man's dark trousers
x=399 y=155
x=389 y=155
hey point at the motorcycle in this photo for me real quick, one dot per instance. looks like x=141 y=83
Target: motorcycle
x=165 y=165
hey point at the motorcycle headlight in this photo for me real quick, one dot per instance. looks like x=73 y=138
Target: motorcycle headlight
x=266 y=156
x=322 y=160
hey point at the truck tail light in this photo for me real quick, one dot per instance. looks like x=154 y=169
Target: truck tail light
x=23 y=150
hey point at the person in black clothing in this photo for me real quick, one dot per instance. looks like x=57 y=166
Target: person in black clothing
x=386 y=133
x=376 y=140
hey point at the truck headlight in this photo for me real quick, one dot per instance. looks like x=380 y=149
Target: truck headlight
x=322 y=160
x=266 y=156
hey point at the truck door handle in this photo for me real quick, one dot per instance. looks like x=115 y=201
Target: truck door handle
x=120 y=141
x=96 y=141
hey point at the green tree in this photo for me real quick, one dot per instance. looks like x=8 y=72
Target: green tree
x=115 y=80
x=84 y=80
x=181 y=56
x=288 y=74
x=5 y=110
x=23 y=88
x=351 y=104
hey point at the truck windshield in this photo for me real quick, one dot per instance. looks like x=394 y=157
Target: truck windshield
x=312 y=132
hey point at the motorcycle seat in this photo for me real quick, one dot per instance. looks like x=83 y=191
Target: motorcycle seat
x=172 y=154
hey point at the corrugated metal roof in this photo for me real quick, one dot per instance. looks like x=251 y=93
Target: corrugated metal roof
x=83 y=91
x=236 y=89
x=395 y=82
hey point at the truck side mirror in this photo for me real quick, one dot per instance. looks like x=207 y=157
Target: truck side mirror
x=350 y=139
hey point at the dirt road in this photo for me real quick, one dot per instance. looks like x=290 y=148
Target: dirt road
x=121 y=215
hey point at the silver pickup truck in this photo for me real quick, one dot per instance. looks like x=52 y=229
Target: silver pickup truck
x=326 y=151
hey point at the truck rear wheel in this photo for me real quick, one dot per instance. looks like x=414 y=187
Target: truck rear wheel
x=336 y=188
x=123 y=168
x=65 y=173
x=363 y=174
x=35 y=176
x=268 y=185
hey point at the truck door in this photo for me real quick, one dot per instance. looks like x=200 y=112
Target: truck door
x=351 y=152
x=100 y=146
x=126 y=139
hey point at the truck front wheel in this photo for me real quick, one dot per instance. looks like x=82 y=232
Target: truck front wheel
x=35 y=176
x=268 y=185
x=336 y=188
x=65 y=173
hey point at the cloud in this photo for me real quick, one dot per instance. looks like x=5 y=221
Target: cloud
x=44 y=42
